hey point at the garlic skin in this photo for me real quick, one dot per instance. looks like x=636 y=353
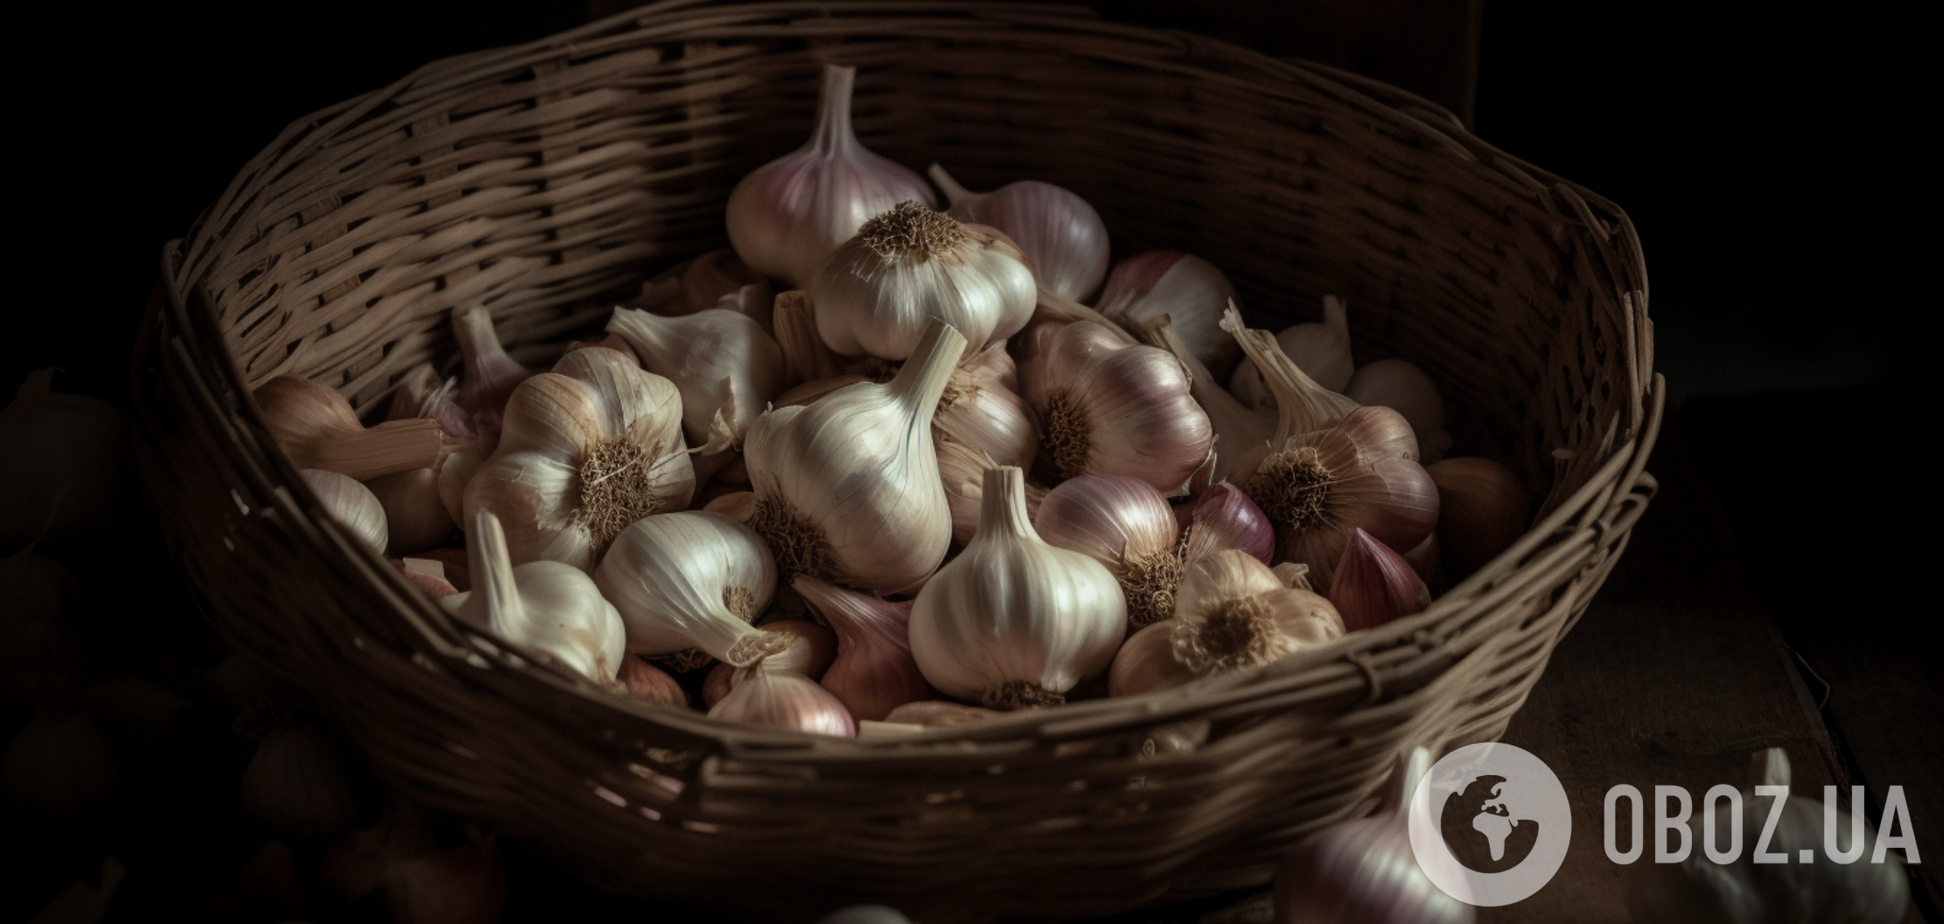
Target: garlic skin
x=415 y=514
x=317 y=429
x=1321 y=350
x=726 y=368
x=489 y=376
x=351 y=504
x=551 y=609
x=1374 y=585
x=1147 y=662
x=587 y=449
x=1232 y=612
x=1401 y=386
x=692 y=579
x=1189 y=290
x=1125 y=524
x=1483 y=508
x=847 y=488
x=962 y=470
x=1057 y=230
x=874 y=671
x=1223 y=517
x=1013 y=621
x=650 y=684
x=1104 y=408
x=1364 y=870
x=933 y=713
x=982 y=409
x=787 y=217
x=909 y=265
x=781 y=699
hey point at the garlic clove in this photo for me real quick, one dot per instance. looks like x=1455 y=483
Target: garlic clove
x=650 y=684
x=352 y=505
x=787 y=217
x=428 y=574
x=489 y=376
x=909 y=265
x=1428 y=561
x=1147 y=662
x=781 y=699
x=1401 y=386
x=1239 y=429
x=1125 y=524
x=874 y=671
x=939 y=714
x=1221 y=518
x=1233 y=612
x=1483 y=509
x=1185 y=288
x=1374 y=585
x=805 y=357
x=415 y=515
x=1058 y=231
x=1321 y=350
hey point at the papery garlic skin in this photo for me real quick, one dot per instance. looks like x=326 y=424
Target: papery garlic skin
x=1374 y=585
x=725 y=366
x=650 y=684
x=982 y=409
x=909 y=265
x=1125 y=524
x=552 y=610
x=351 y=504
x=1403 y=387
x=316 y=428
x=1232 y=612
x=847 y=488
x=1057 y=230
x=1013 y=621
x=1321 y=350
x=586 y=450
x=787 y=217
x=1104 y=408
x=1189 y=290
x=416 y=516
x=781 y=699
x=489 y=376
x=691 y=579
x=874 y=671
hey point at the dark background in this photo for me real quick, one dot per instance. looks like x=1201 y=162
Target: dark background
x=1770 y=165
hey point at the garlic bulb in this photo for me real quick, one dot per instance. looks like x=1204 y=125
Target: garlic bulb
x=316 y=428
x=1147 y=662
x=1331 y=467
x=650 y=684
x=787 y=218
x=962 y=470
x=1321 y=350
x=551 y=609
x=1189 y=290
x=415 y=515
x=781 y=699
x=982 y=409
x=847 y=489
x=692 y=579
x=1364 y=870
x=1483 y=508
x=1401 y=386
x=1239 y=429
x=587 y=449
x=1223 y=517
x=1125 y=524
x=489 y=375
x=874 y=671
x=1057 y=230
x=351 y=504
x=725 y=366
x=1013 y=621
x=1108 y=409
x=1232 y=612
x=1374 y=585
x=909 y=265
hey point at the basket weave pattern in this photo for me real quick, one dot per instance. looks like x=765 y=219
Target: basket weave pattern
x=548 y=179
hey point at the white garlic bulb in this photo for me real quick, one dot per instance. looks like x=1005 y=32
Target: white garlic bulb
x=725 y=366
x=1321 y=350
x=1013 y=621
x=351 y=504
x=1233 y=612
x=1187 y=289
x=982 y=409
x=691 y=579
x=786 y=218
x=550 y=609
x=1057 y=230
x=909 y=265
x=847 y=488
x=1105 y=408
x=586 y=449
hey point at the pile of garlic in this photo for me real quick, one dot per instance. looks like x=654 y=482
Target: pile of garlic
x=882 y=467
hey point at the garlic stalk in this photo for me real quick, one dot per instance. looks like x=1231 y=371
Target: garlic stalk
x=781 y=699
x=1057 y=230
x=1483 y=508
x=909 y=265
x=351 y=504
x=692 y=579
x=550 y=609
x=1232 y=612
x=1186 y=289
x=1364 y=870
x=1108 y=409
x=489 y=375
x=1321 y=350
x=587 y=449
x=787 y=217
x=1223 y=517
x=981 y=408
x=962 y=470
x=316 y=428
x=1239 y=429
x=847 y=489
x=1374 y=585
x=725 y=366
x=1401 y=386
x=1013 y=621
x=874 y=671
x=1125 y=524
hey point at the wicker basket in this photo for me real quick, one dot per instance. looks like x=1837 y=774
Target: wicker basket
x=545 y=180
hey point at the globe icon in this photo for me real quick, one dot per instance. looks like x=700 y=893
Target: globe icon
x=1483 y=827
